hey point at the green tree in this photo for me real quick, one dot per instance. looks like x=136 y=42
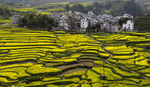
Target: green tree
x=132 y=8
x=122 y=21
x=5 y=12
x=142 y=23
x=33 y=20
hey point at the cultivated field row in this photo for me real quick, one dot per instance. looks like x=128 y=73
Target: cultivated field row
x=30 y=58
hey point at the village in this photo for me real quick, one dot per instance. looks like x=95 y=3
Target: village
x=80 y=22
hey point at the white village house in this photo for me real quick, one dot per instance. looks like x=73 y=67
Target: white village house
x=129 y=26
x=128 y=16
x=91 y=14
x=15 y=19
x=79 y=21
x=84 y=24
x=63 y=25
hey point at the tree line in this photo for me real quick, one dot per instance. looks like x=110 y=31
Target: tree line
x=33 y=20
x=5 y=12
x=115 y=8
x=142 y=23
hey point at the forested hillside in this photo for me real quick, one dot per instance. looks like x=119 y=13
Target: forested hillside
x=115 y=8
x=142 y=23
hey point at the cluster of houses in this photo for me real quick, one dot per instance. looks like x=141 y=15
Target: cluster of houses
x=78 y=21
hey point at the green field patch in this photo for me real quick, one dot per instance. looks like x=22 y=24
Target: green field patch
x=51 y=79
x=137 y=48
x=105 y=55
x=28 y=47
x=5 y=80
x=11 y=75
x=74 y=74
x=72 y=85
x=145 y=54
x=39 y=69
x=145 y=82
x=143 y=45
x=65 y=81
x=59 y=32
x=17 y=60
x=28 y=44
x=3 y=21
x=58 y=60
x=94 y=77
x=85 y=85
x=24 y=9
x=107 y=72
x=135 y=61
x=125 y=73
x=125 y=57
x=118 y=84
x=16 y=65
x=19 y=72
x=57 y=50
x=145 y=71
x=51 y=86
x=41 y=83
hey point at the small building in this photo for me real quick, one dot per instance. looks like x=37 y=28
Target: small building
x=63 y=25
x=129 y=26
x=54 y=15
x=115 y=28
x=91 y=14
x=106 y=27
x=128 y=16
x=84 y=24
x=63 y=17
x=15 y=19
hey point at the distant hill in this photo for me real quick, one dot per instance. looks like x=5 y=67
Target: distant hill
x=142 y=1
x=20 y=1
x=11 y=1
x=142 y=23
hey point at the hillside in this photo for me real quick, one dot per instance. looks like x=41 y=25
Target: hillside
x=32 y=58
x=12 y=1
x=52 y=1
x=142 y=1
x=142 y=23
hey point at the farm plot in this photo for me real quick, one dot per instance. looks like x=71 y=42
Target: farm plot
x=30 y=58
x=129 y=58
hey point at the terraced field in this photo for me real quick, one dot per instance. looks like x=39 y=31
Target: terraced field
x=30 y=58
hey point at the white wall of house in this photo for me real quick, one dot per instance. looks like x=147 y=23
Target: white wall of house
x=128 y=16
x=114 y=28
x=91 y=14
x=129 y=26
x=64 y=24
x=15 y=19
x=106 y=27
x=84 y=23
